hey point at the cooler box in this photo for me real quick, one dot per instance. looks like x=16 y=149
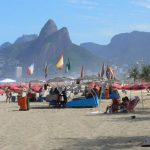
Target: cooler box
x=22 y=102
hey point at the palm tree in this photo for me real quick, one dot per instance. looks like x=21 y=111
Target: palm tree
x=145 y=73
x=134 y=73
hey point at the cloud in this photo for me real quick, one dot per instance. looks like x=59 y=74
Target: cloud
x=88 y=4
x=143 y=3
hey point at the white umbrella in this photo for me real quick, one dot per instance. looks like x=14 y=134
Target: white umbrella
x=7 y=81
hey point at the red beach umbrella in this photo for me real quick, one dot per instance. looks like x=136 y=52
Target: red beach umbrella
x=133 y=87
x=2 y=91
x=116 y=86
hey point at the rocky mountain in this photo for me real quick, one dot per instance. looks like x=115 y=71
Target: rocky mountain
x=26 y=38
x=46 y=47
x=48 y=29
x=124 y=48
x=5 y=45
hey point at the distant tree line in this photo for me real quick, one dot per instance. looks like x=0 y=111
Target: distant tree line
x=140 y=73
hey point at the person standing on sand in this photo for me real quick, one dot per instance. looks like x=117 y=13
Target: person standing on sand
x=8 y=95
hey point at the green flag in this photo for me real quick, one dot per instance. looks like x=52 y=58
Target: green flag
x=68 y=66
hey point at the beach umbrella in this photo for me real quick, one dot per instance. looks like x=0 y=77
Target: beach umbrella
x=2 y=91
x=36 y=88
x=143 y=84
x=116 y=86
x=23 y=85
x=133 y=87
x=3 y=85
x=15 y=89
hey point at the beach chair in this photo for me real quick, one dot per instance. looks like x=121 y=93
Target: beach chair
x=132 y=103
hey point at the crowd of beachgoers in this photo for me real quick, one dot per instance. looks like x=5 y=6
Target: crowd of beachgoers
x=62 y=92
x=45 y=128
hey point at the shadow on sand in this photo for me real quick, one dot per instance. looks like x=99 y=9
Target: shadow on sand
x=102 y=143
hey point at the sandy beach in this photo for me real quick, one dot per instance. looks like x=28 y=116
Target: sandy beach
x=42 y=128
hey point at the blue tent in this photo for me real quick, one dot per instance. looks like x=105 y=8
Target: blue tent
x=83 y=102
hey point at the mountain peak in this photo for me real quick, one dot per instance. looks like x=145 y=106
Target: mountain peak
x=48 y=29
x=5 y=45
x=63 y=34
x=64 y=29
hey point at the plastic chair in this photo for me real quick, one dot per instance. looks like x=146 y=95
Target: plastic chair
x=132 y=103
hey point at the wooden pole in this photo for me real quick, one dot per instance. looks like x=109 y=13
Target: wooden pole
x=142 y=100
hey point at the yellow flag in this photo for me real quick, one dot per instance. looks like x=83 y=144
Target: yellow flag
x=60 y=63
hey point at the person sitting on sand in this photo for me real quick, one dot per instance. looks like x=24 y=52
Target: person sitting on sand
x=114 y=107
x=124 y=104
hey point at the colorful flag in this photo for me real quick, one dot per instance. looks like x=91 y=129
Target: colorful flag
x=82 y=72
x=30 y=69
x=112 y=72
x=46 y=70
x=102 y=71
x=68 y=66
x=108 y=73
x=60 y=63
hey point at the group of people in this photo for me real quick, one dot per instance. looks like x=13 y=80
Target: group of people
x=125 y=105
x=118 y=105
x=104 y=93
x=57 y=97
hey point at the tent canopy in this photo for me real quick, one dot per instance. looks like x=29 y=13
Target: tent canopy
x=7 y=80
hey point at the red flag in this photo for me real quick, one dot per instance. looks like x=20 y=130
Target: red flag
x=82 y=72
x=46 y=69
x=102 y=71
x=108 y=73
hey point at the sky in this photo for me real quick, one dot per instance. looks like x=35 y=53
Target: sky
x=87 y=20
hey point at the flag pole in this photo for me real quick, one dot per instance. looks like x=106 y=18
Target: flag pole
x=100 y=98
x=142 y=100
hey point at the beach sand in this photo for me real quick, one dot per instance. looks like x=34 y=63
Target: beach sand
x=42 y=128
